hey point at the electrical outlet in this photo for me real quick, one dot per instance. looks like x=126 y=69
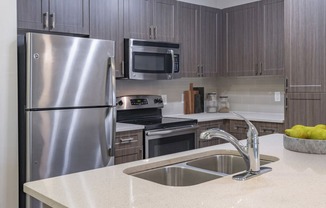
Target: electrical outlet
x=277 y=96
x=165 y=99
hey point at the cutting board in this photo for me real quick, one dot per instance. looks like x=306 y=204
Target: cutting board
x=189 y=99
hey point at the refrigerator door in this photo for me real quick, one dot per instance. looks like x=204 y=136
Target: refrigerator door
x=63 y=72
x=67 y=141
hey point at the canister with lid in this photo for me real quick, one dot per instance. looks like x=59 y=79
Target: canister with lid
x=223 y=104
x=211 y=102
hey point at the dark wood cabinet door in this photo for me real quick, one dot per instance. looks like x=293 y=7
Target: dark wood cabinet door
x=203 y=126
x=305 y=45
x=138 y=17
x=271 y=55
x=210 y=41
x=305 y=109
x=240 y=27
x=189 y=39
x=165 y=20
x=106 y=22
x=32 y=14
x=69 y=16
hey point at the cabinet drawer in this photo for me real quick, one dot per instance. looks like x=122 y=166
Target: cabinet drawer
x=203 y=126
x=265 y=128
x=128 y=155
x=238 y=126
x=128 y=139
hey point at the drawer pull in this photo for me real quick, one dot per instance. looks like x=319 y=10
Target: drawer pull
x=240 y=127
x=127 y=140
x=265 y=130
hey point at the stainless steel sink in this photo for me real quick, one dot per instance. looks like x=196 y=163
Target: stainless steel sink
x=197 y=170
x=228 y=164
x=176 y=176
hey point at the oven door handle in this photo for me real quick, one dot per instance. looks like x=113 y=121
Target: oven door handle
x=171 y=131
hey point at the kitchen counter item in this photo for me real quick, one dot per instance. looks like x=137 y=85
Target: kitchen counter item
x=310 y=146
x=223 y=104
x=211 y=102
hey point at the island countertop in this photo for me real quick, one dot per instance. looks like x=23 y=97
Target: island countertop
x=297 y=180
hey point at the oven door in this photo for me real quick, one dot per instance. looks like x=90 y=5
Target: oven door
x=167 y=141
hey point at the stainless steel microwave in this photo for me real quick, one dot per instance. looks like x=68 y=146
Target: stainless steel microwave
x=151 y=60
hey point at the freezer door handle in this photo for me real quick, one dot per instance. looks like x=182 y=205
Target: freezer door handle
x=110 y=89
x=107 y=141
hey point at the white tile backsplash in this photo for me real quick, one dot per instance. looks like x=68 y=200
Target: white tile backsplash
x=245 y=93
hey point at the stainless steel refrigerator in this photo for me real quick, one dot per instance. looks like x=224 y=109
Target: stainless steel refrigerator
x=66 y=106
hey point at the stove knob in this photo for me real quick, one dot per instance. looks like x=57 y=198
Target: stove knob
x=120 y=103
x=158 y=100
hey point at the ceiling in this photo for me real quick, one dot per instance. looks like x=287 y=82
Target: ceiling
x=221 y=4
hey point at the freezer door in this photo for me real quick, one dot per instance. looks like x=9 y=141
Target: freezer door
x=63 y=71
x=68 y=141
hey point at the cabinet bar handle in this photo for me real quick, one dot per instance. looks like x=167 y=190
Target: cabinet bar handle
x=264 y=130
x=198 y=71
x=127 y=140
x=155 y=31
x=240 y=127
x=122 y=68
x=150 y=32
x=52 y=16
x=45 y=20
x=286 y=84
x=257 y=69
x=202 y=71
x=261 y=68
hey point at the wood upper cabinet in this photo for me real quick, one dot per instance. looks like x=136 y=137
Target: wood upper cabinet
x=54 y=16
x=106 y=22
x=305 y=108
x=240 y=36
x=210 y=41
x=150 y=19
x=253 y=36
x=271 y=46
x=305 y=46
x=200 y=38
x=189 y=39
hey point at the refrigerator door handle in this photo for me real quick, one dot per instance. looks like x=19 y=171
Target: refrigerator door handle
x=110 y=89
x=107 y=141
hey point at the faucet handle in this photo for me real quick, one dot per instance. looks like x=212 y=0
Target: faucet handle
x=252 y=131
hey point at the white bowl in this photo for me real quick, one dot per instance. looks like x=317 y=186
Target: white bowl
x=310 y=146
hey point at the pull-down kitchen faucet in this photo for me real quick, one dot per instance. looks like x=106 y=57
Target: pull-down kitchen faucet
x=250 y=153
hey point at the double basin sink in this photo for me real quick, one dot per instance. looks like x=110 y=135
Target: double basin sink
x=199 y=170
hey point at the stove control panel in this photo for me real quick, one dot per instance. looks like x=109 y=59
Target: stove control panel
x=132 y=102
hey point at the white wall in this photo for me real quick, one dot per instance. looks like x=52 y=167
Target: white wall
x=221 y=4
x=8 y=106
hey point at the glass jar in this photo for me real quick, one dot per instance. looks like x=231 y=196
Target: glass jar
x=211 y=102
x=223 y=104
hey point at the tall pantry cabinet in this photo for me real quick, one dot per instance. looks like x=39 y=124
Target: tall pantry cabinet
x=305 y=64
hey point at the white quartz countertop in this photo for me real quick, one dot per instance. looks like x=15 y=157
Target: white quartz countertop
x=252 y=116
x=120 y=127
x=297 y=180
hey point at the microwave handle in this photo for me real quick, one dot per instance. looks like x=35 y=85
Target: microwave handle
x=173 y=63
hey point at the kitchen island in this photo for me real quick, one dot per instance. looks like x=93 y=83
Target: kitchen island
x=297 y=180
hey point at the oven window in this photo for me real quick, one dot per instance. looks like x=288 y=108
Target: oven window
x=151 y=62
x=169 y=145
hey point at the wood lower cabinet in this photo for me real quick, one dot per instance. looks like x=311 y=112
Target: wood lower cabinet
x=128 y=146
x=106 y=22
x=54 y=16
x=239 y=128
x=203 y=126
x=305 y=109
